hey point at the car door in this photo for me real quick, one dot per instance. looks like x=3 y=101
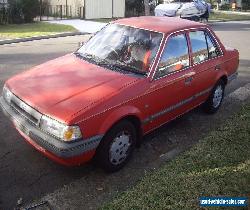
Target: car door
x=206 y=61
x=171 y=90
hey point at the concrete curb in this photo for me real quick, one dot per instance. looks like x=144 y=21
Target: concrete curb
x=11 y=41
x=232 y=12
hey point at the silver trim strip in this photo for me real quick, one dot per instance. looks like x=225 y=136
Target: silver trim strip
x=173 y=118
x=173 y=107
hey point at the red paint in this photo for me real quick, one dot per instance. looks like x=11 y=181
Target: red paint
x=73 y=161
x=77 y=92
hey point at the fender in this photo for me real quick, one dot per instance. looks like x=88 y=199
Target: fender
x=117 y=114
x=220 y=75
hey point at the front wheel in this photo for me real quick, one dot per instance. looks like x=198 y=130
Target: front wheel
x=117 y=146
x=215 y=99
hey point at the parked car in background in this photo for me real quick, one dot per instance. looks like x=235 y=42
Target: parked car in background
x=130 y=78
x=187 y=9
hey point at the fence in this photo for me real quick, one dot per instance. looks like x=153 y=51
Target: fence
x=4 y=13
x=48 y=12
x=56 y=12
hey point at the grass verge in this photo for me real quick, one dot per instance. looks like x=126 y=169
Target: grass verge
x=228 y=17
x=32 y=29
x=104 y=20
x=219 y=165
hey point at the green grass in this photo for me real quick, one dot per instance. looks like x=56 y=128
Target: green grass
x=104 y=20
x=32 y=29
x=219 y=165
x=228 y=17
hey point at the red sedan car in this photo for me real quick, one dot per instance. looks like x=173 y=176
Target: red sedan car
x=130 y=78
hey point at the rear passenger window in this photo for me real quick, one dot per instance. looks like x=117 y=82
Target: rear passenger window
x=199 y=46
x=203 y=46
x=213 y=49
x=175 y=56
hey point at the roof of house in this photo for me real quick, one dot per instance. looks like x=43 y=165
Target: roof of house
x=159 y=24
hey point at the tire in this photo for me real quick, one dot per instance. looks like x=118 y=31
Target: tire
x=117 y=146
x=215 y=99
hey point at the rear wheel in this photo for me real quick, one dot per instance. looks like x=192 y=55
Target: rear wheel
x=215 y=99
x=117 y=146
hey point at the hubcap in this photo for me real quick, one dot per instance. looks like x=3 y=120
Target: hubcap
x=218 y=94
x=119 y=148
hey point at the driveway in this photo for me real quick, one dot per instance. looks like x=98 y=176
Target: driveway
x=81 y=25
x=26 y=174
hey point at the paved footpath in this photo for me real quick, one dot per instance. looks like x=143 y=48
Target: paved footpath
x=81 y=25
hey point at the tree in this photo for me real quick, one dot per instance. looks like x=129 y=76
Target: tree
x=30 y=9
x=147 y=8
x=138 y=5
x=15 y=11
x=23 y=10
x=245 y=4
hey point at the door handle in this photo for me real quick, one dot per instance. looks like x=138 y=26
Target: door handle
x=188 y=80
x=189 y=77
x=217 y=67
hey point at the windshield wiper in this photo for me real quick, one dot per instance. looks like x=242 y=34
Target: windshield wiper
x=88 y=57
x=111 y=65
x=125 y=67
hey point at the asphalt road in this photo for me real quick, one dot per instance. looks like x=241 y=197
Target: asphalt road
x=26 y=174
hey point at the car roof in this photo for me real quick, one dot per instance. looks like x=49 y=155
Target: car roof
x=159 y=24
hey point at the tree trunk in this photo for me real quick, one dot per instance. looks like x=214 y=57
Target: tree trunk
x=146 y=6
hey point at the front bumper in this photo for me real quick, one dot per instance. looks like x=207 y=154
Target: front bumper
x=62 y=152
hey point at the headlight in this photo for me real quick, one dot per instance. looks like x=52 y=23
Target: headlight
x=7 y=94
x=60 y=130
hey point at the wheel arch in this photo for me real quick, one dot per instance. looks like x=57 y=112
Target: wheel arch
x=224 y=78
x=128 y=113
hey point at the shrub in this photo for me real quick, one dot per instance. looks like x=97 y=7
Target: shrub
x=225 y=7
x=21 y=11
x=245 y=4
x=30 y=9
x=15 y=11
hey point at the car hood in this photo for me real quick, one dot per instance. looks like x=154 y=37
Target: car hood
x=66 y=85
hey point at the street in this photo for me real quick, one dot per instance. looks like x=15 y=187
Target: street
x=26 y=174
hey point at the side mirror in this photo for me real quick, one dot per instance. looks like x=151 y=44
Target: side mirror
x=80 y=44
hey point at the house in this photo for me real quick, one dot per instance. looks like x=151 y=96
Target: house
x=90 y=9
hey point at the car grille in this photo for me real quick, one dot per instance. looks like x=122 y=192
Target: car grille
x=25 y=111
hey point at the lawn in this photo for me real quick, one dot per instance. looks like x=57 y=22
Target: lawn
x=219 y=165
x=32 y=29
x=228 y=17
x=104 y=20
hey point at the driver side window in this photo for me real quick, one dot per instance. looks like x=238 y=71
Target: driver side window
x=175 y=56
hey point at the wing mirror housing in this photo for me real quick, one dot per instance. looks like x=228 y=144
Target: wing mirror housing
x=80 y=44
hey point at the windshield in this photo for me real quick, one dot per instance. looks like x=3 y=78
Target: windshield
x=122 y=47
